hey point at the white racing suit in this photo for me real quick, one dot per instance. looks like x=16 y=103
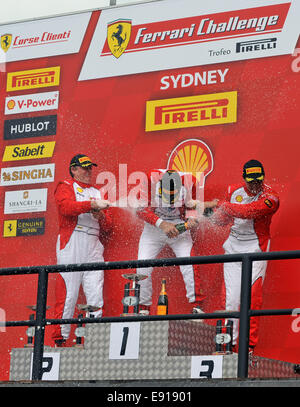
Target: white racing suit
x=78 y=242
x=153 y=239
x=151 y=243
x=250 y=232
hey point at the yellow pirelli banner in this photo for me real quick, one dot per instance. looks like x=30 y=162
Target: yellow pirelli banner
x=191 y=111
x=32 y=79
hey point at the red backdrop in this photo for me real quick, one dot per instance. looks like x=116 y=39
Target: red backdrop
x=105 y=119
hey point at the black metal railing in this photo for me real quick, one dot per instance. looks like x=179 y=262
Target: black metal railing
x=244 y=315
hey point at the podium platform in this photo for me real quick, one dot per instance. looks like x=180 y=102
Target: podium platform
x=143 y=351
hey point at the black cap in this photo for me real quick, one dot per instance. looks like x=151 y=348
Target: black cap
x=81 y=160
x=253 y=170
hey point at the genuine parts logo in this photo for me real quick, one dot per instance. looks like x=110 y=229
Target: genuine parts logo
x=24 y=227
x=191 y=111
x=35 y=78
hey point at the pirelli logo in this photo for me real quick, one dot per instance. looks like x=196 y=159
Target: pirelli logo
x=191 y=111
x=36 y=78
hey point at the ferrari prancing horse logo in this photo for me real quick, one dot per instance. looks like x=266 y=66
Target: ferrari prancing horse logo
x=6 y=41
x=118 y=36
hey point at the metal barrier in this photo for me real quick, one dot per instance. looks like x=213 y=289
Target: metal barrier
x=40 y=322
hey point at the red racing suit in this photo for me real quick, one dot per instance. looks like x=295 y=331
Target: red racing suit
x=250 y=217
x=153 y=239
x=78 y=242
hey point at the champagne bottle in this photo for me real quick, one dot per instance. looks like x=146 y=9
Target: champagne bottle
x=162 y=305
x=181 y=227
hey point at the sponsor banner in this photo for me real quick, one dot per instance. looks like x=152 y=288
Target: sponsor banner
x=33 y=79
x=31 y=103
x=192 y=156
x=33 y=174
x=43 y=38
x=28 y=151
x=24 y=227
x=191 y=111
x=256 y=45
x=31 y=200
x=176 y=33
x=30 y=127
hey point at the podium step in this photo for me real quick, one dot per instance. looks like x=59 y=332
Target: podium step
x=150 y=350
x=187 y=338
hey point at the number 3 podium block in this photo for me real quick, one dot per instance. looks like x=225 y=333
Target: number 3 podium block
x=135 y=351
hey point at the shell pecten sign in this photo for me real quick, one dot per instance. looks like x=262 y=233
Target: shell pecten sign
x=192 y=156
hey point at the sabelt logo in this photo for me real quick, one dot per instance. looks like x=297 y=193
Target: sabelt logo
x=36 y=78
x=191 y=111
x=28 y=151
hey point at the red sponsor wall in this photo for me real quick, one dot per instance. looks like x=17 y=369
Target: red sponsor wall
x=105 y=119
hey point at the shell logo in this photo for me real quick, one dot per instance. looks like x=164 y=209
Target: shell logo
x=11 y=104
x=192 y=156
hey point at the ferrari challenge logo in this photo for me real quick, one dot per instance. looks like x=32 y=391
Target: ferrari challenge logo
x=6 y=40
x=118 y=36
